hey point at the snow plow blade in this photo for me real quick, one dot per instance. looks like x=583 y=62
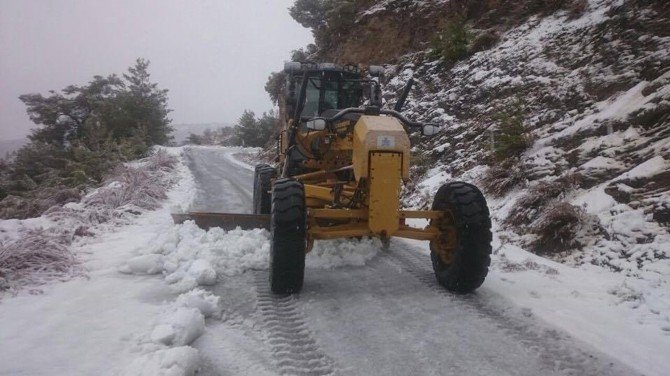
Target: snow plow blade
x=226 y=221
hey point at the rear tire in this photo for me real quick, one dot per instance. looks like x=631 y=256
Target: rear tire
x=263 y=175
x=288 y=232
x=471 y=256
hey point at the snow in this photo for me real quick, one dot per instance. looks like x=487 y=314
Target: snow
x=203 y=301
x=595 y=201
x=624 y=317
x=602 y=163
x=145 y=264
x=176 y=361
x=647 y=168
x=155 y=298
x=330 y=254
x=179 y=327
x=147 y=308
x=95 y=324
x=617 y=108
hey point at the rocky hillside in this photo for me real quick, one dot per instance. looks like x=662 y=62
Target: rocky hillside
x=560 y=110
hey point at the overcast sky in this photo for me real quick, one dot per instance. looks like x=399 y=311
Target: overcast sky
x=213 y=55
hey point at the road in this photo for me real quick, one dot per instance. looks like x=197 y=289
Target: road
x=388 y=317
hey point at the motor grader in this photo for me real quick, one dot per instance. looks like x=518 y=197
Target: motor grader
x=341 y=162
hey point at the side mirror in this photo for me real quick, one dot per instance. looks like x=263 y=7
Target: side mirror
x=376 y=70
x=316 y=124
x=430 y=129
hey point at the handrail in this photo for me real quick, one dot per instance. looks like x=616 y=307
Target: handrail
x=358 y=110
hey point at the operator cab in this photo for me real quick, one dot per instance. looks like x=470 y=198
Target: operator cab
x=328 y=88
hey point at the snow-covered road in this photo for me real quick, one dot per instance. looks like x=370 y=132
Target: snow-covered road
x=387 y=317
x=158 y=298
x=222 y=184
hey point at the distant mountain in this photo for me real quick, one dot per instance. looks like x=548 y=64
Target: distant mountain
x=181 y=131
x=8 y=146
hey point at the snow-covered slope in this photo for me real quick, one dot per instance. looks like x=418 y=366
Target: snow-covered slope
x=594 y=92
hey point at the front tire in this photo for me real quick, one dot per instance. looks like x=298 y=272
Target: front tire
x=263 y=175
x=288 y=232
x=464 y=267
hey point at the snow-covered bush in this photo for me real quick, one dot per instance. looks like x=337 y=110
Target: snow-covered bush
x=561 y=227
x=139 y=186
x=501 y=179
x=35 y=258
x=537 y=200
x=39 y=255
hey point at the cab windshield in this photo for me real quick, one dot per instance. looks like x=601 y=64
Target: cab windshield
x=331 y=92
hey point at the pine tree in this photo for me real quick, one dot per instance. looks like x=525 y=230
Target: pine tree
x=251 y=131
x=146 y=104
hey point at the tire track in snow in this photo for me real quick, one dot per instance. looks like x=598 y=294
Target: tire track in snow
x=294 y=349
x=556 y=350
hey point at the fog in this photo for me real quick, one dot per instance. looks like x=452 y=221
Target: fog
x=213 y=56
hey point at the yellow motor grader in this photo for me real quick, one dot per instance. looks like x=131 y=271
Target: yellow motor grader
x=341 y=162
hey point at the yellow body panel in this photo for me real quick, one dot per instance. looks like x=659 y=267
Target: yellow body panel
x=385 y=173
x=321 y=193
x=379 y=133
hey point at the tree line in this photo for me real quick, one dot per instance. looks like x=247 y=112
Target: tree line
x=249 y=130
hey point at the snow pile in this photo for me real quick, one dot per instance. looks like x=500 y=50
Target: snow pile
x=329 y=254
x=38 y=250
x=179 y=327
x=144 y=264
x=189 y=256
x=202 y=300
x=176 y=361
x=165 y=349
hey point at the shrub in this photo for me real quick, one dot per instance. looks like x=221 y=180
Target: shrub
x=419 y=163
x=511 y=138
x=452 y=44
x=529 y=206
x=559 y=229
x=35 y=258
x=484 y=41
x=135 y=186
x=576 y=8
x=501 y=179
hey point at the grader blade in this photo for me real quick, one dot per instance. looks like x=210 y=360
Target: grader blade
x=227 y=221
